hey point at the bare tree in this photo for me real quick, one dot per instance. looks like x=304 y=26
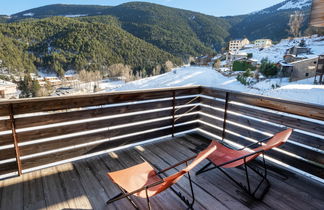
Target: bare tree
x=168 y=66
x=217 y=64
x=295 y=23
x=157 y=70
x=121 y=70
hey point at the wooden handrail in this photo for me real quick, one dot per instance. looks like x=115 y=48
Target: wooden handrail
x=314 y=111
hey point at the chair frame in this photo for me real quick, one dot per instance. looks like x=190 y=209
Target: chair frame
x=159 y=172
x=247 y=188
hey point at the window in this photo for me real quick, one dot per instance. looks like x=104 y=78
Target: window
x=307 y=74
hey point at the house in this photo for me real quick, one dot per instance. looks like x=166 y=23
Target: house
x=292 y=58
x=237 y=44
x=53 y=81
x=298 y=70
x=320 y=70
x=8 y=90
x=296 y=50
x=263 y=43
x=285 y=69
x=203 y=60
x=236 y=56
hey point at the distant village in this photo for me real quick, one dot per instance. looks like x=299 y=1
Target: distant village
x=70 y=84
x=298 y=62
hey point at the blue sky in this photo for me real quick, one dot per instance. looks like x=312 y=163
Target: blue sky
x=211 y=7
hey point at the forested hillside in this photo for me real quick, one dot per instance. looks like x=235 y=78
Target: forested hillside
x=177 y=31
x=14 y=56
x=139 y=34
x=64 y=43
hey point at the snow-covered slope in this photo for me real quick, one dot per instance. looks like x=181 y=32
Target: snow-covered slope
x=276 y=52
x=295 y=4
x=291 y=5
x=186 y=76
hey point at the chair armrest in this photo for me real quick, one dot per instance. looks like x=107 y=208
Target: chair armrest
x=242 y=157
x=160 y=171
x=177 y=164
x=255 y=143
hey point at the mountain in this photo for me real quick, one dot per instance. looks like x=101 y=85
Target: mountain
x=60 y=10
x=272 y=22
x=183 y=32
x=60 y=43
x=137 y=33
x=180 y=32
x=177 y=31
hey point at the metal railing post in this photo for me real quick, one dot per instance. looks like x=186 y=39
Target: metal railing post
x=225 y=115
x=173 y=111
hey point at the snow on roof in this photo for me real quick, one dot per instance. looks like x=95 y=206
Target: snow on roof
x=216 y=57
x=304 y=60
x=240 y=53
x=307 y=56
x=249 y=45
x=70 y=72
x=285 y=64
x=6 y=83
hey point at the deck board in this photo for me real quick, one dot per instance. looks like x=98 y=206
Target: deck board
x=84 y=184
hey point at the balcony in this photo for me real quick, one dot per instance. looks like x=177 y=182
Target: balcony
x=55 y=152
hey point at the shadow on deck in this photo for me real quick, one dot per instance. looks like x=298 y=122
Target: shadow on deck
x=84 y=184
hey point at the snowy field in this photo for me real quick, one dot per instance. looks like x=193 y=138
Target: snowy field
x=302 y=90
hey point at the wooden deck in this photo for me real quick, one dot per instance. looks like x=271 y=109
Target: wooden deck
x=83 y=184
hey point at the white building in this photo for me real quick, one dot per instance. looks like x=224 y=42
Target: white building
x=8 y=90
x=263 y=43
x=237 y=44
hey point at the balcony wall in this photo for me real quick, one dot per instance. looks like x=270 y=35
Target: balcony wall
x=37 y=133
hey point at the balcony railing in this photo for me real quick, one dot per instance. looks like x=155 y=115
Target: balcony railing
x=41 y=132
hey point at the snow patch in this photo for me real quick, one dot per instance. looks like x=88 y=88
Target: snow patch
x=30 y=14
x=296 y=4
x=186 y=76
x=76 y=15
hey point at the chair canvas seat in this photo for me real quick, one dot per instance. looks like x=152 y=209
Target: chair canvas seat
x=135 y=177
x=224 y=154
x=141 y=175
x=225 y=157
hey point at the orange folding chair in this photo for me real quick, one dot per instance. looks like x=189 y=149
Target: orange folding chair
x=225 y=157
x=144 y=181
